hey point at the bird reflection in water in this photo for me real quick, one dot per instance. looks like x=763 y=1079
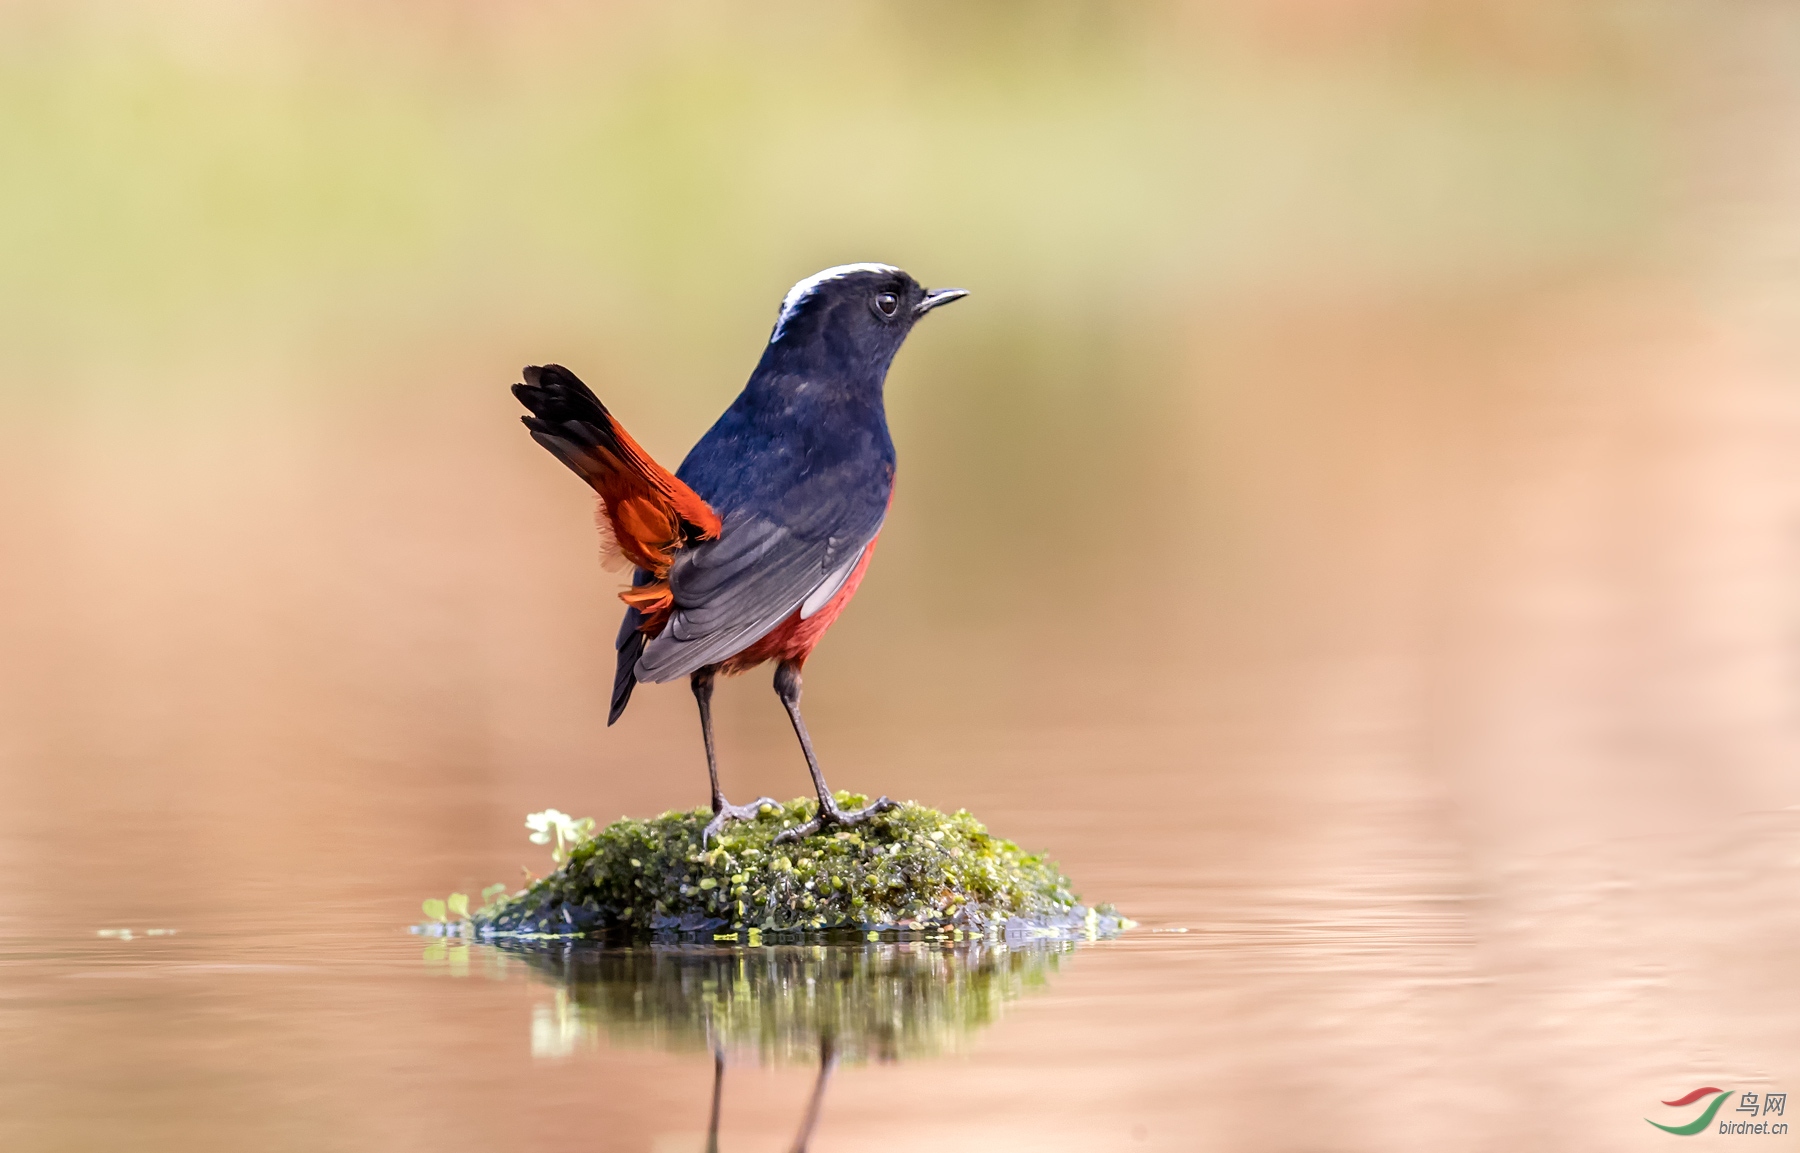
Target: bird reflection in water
x=783 y=1004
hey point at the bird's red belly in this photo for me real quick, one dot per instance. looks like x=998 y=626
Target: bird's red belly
x=793 y=639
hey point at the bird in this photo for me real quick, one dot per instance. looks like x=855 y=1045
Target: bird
x=748 y=551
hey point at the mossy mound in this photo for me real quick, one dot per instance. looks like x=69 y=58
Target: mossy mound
x=909 y=869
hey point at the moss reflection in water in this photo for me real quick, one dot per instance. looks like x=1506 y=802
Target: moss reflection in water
x=781 y=1004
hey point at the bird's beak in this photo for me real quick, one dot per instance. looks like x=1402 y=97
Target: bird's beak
x=936 y=297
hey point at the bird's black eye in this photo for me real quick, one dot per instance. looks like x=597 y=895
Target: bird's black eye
x=887 y=304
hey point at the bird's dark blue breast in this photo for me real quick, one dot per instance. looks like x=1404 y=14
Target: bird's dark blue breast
x=812 y=454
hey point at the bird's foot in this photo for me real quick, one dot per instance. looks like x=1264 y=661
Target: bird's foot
x=724 y=812
x=830 y=814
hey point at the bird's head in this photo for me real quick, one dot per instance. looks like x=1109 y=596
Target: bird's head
x=853 y=317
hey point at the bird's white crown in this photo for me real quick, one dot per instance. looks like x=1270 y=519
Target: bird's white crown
x=797 y=295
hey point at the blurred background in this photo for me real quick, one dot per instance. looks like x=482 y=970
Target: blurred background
x=1354 y=518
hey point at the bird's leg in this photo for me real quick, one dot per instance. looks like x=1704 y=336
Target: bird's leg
x=722 y=812
x=712 y=1123
x=827 y=1061
x=787 y=687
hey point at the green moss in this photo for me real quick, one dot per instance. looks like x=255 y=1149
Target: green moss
x=912 y=868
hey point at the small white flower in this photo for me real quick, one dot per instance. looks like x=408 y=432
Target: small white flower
x=544 y=825
x=560 y=825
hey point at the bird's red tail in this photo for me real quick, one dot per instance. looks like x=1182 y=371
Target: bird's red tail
x=645 y=510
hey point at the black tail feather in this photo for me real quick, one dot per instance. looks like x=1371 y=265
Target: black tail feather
x=567 y=418
x=555 y=395
x=631 y=646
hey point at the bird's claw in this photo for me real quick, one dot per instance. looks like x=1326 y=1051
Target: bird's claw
x=830 y=814
x=733 y=813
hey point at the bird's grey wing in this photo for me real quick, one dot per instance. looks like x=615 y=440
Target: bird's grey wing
x=731 y=592
x=834 y=580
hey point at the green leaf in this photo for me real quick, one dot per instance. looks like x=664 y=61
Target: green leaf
x=434 y=908
x=459 y=904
